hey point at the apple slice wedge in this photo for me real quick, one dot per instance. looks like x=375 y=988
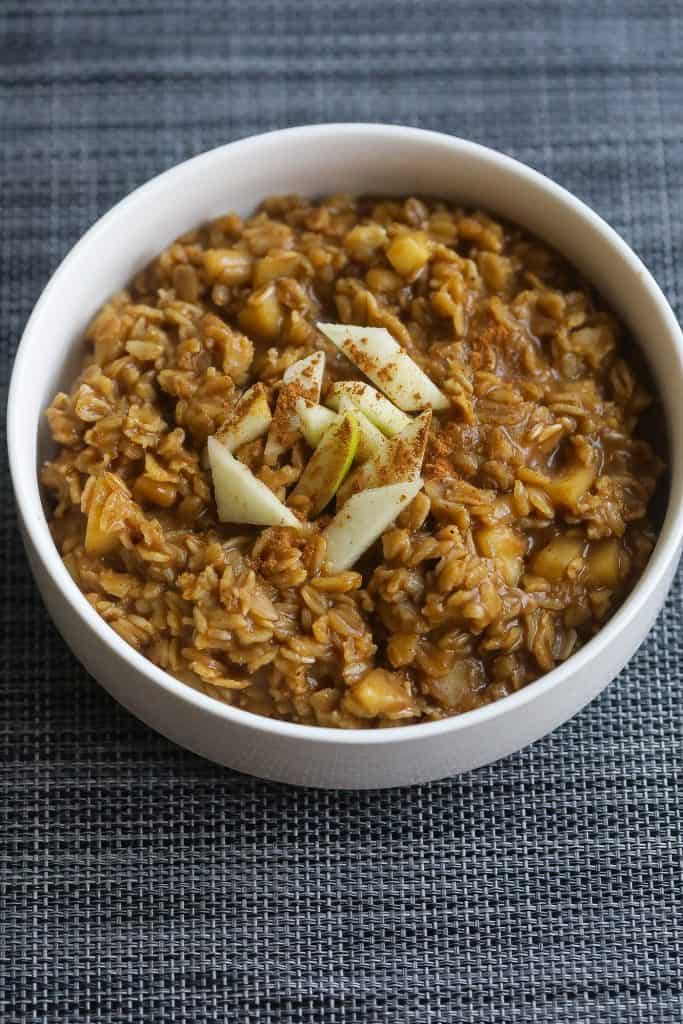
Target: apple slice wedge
x=399 y=459
x=380 y=357
x=308 y=372
x=362 y=520
x=303 y=379
x=240 y=496
x=315 y=420
x=329 y=464
x=252 y=418
x=378 y=409
x=371 y=441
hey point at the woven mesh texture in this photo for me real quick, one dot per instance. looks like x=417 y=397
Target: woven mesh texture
x=140 y=884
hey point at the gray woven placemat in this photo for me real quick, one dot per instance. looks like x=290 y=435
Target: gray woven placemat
x=142 y=884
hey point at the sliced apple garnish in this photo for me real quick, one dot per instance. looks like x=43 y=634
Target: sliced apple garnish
x=315 y=420
x=329 y=464
x=378 y=409
x=379 y=356
x=398 y=460
x=303 y=379
x=371 y=441
x=240 y=496
x=308 y=372
x=362 y=520
x=251 y=419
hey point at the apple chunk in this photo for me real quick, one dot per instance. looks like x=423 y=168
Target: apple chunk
x=315 y=420
x=251 y=419
x=502 y=542
x=398 y=460
x=567 y=487
x=240 y=496
x=329 y=464
x=362 y=520
x=371 y=441
x=308 y=372
x=608 y=562
x=303 y=379
x=378 y=409
x=380 y=357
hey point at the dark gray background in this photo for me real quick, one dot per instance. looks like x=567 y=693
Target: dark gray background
x=142 y=884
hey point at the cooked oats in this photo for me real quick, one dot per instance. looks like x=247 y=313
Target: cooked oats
x=534 y=523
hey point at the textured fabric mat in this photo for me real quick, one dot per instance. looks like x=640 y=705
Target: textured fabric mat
x=140 y=884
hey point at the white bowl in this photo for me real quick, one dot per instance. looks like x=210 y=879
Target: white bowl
x=316 y=160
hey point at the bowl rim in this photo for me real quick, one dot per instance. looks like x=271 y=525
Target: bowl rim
x=25 y=481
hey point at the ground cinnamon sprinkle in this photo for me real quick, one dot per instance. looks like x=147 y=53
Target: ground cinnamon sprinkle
x=386 y=373
x=538 y=508
x=285 y=412
x=363 y=361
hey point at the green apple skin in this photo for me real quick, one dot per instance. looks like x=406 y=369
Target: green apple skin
x=400 y=459
x=316 y=419
x=371 y=441
x=329 y=464
x=378 y=409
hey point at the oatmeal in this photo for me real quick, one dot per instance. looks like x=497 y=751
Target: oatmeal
x=355 y=462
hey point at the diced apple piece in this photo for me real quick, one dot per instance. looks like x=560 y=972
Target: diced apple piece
x=606 y=561
x=362 y=520
x=109 y=508
x=329 y=464
x=593 y=344
x=453 y=691
x=378 y=693
x=408 y=253
x=252 y=418
x=303 y=379
x=389 y=367
x=315 y=420
x=399 y=459
x=371 y=441
x=98 y=541
x=378 y=409
x=552 y=561
x=261 y=315
x=240 y=496
x=506 y=545
x=567 y=488
x=363 y=241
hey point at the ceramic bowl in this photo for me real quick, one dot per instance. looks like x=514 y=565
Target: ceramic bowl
x=315 y=160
